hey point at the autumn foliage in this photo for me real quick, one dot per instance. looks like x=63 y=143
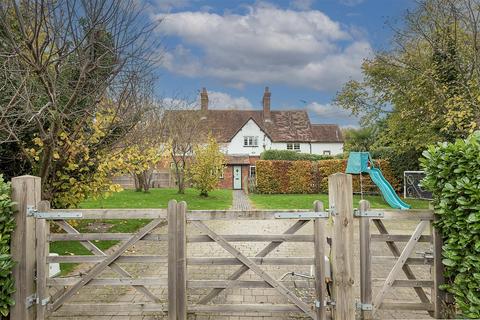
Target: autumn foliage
x=279 y=176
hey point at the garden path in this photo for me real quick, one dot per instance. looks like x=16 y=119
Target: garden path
x=241 y=200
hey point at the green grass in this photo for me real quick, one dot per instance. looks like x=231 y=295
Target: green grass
x=156 y=198
x=305 y=201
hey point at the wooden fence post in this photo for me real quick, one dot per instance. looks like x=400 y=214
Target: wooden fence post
x=365 y=261
x=181 y=261
x=341 y=207
x=42 y=231
x=319 y=247
x=26 y=192
x=172 y=259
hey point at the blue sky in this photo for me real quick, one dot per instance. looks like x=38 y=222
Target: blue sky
x=304 y=50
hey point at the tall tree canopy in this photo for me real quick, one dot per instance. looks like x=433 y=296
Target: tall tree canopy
x=71 y=78
x=426 y=88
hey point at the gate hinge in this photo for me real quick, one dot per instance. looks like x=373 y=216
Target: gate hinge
x=33 y=299
x=52 y=215
x=364 y=306
x=371 y=214
x=301 y=215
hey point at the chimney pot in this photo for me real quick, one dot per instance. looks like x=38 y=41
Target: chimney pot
x=266 y=105
x=204 y=99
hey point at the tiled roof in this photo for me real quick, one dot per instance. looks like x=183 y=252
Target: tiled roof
x=284 y=126
x=326 y=133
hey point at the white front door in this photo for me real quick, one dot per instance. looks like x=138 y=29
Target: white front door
x=237 y=177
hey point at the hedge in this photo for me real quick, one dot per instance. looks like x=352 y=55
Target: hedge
x=280 y=176
x=7 y=226
x=292 y=155
x=453 y=176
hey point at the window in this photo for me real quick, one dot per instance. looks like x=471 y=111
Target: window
x=250 y=141
x=221 y=172
x=293 y=147
x=326 y=152
x=252 y=172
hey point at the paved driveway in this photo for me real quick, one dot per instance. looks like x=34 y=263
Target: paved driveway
x=243 y=296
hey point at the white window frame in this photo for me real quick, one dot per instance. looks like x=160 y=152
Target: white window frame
x=250 y=141
x=293 y=146
x=250 y=171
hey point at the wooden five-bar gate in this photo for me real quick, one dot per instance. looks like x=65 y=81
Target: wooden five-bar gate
x=38 y=295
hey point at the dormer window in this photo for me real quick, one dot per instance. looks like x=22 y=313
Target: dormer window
x=293 y=147
x=250 y=141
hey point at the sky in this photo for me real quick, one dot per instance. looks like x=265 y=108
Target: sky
x=303 y=50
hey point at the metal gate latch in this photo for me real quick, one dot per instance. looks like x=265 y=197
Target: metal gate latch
x=52 y=215
x=301 y=215
x=371 y=214
x=363 y=306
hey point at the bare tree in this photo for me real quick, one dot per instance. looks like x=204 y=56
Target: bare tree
x=183 y=130
x=145 y=139
x=63 y=61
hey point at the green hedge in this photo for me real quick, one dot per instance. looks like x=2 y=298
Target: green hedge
x=292 y=155
x=280 y=176
x=453 y=176
x=7 y=225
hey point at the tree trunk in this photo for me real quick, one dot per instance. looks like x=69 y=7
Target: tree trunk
x=138 y=182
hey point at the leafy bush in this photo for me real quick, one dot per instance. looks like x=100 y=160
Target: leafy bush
x=7 y=225
x=278 y=176
x=291 y=155
x=301 y=177
x=453 y=176
x=328 y=167
x=265 y=175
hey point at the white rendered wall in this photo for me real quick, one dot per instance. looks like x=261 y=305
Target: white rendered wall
x=304 y=147
x=320 y=147
x=249 y=129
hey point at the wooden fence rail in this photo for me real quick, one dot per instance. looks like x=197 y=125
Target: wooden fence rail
x=32 y=239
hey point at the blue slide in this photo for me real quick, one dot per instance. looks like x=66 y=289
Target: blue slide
x=360 y=162
x=387 y=190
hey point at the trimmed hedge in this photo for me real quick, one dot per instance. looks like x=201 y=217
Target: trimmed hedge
x=7 y=225
x=291 y=155
x=453 y=176
x=279 y=176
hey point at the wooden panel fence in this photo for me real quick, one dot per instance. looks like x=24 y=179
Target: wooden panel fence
x=39 y=295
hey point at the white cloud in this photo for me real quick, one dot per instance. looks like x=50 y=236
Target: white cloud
x=167 y=5
x=221 y=100
x=329 y=113
x=265 y=45
x=216 y=100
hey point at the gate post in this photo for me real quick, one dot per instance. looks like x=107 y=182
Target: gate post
x=181 y=261
x=319 y=247
x=365 y=262
x=26 y=192
x=341 y=208
x=172 y=259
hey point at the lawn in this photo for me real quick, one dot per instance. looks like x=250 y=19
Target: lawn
x=155 y=198
x=158 y=198
x=305 y=201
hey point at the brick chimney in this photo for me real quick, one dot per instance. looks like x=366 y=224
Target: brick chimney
x=266 y=105
x=204 y=99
